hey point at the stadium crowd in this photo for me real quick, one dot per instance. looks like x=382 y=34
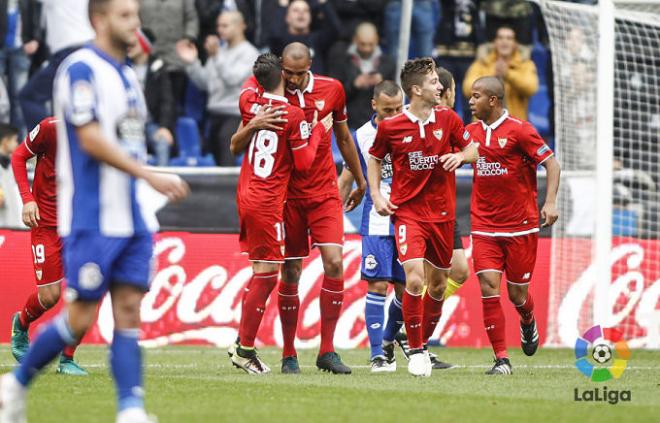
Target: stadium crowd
x=194 y=55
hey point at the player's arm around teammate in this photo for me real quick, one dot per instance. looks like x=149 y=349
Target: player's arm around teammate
x=268 y=118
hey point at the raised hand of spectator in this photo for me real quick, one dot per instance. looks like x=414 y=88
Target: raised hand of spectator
x=375 y=79
x=212 y=45
x=31 y=47
x=186 y=51
x=501 y=67
x=164 y=134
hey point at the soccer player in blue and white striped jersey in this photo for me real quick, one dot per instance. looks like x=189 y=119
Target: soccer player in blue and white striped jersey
x=107 y=230
x=379 y=255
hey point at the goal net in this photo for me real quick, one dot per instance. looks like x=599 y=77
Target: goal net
x=605 y=267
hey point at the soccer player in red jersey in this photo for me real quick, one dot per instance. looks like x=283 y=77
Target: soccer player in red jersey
x=420 y=142
x=270 y=157
x=505 y=216
x=313 y=208
x=40 y=214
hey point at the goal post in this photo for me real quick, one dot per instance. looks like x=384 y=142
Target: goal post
x=605 y=265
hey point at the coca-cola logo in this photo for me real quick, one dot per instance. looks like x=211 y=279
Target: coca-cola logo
x=206 y=306
x=632 y=298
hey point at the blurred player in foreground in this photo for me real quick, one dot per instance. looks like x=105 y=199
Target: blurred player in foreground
x=107 y=229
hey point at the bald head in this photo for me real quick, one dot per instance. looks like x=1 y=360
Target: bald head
x=231 y=26
x=366 y=39
x=491 y=86
x=296 y=51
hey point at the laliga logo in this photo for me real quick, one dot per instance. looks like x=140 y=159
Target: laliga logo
x=602 y=354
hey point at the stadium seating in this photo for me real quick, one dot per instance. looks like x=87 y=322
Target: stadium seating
x=189 y=144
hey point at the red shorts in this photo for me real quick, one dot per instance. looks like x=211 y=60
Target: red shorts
x=262 y=235
x=515 y=255
x=320 y=218
x=430 y=241
x=47 y=255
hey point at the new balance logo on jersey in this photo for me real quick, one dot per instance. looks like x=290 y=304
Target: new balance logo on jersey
x=407 y=139
x=418 y=161
x=526 y=276
x=485 y=168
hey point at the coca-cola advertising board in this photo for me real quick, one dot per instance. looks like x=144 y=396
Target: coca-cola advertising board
x=198 y=283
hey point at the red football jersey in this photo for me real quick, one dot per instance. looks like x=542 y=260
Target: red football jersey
x=421 y=188
x=269 y=160
x=323 y=95
x=248 y=106
x=504 y=188
x=42 y=142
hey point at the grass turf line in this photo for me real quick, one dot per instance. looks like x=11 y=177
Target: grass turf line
x=198 y=384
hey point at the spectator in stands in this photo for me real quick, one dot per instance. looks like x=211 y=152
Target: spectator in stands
x=208 y=11
x=360 y=68
x=293 y=23
x=458 y=35
x=230 y=63
x=67 y=29
x=11 y=205
x=172 y=21
x=516 y=14
x=19 y=25
x=516 y=70
x=351 y=13
x=157 y=89
x=422 y=29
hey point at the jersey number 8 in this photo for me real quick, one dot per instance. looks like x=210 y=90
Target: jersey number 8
x=265 y=144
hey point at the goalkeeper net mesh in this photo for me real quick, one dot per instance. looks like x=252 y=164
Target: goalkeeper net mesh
x=633 y=294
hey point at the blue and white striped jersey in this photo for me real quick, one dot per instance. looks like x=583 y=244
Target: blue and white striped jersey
x=372 y=222
x=91 y=86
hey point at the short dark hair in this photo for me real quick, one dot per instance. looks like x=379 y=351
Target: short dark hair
x=505 y=26
x=445 y=77
x=387 y=87
x=97 y=6
x=268 y=71
x=414 y=71
x=7 y=130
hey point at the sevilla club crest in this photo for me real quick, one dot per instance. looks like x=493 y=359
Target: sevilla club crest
x=501 y=142
x=320 y=104
x=403 y=248
x=438 y=134
x=39 y=273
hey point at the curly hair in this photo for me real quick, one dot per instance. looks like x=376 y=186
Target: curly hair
x=414 y=71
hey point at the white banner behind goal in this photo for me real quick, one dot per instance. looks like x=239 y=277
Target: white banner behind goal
x=606 y=245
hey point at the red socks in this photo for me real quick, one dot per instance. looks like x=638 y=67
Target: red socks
x=254 y=306
x=494 y=324
x=69 y=351
x=331 y=298
x=288 y=303
x=526 y=310
x=31 y=311
x=431 y=316
x=413 y=309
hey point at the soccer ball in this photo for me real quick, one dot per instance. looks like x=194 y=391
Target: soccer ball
x=602 y=353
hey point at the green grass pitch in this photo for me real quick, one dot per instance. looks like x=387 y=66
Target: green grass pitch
x=198 y=384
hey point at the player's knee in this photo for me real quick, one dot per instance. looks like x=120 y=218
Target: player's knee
x=291 y=273
x=516 y=295
x=49 y=296
x=379 y=287
x=334 y=267
x=489 y=286
x=460 y=273
x=415 y=284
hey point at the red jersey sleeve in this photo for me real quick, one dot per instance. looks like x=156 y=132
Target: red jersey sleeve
x=459 y=137
x=533 y=145
x=381 y=146
x=299 y=130
x=339 y=111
